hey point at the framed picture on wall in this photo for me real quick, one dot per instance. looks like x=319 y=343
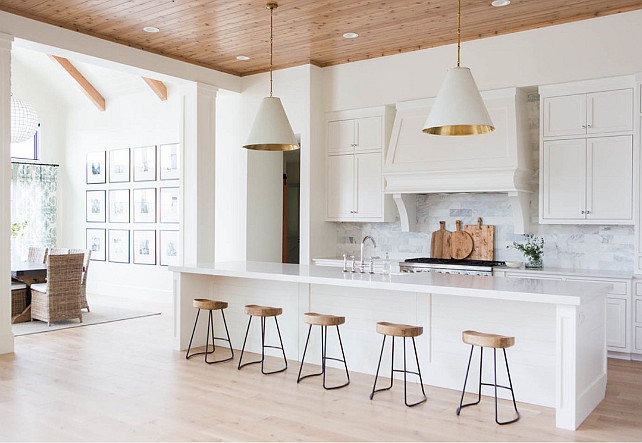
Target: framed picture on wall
x=119 y=245
x=96 y=172
x=119 y=206
x=170 y=161
x=144 y=164
x=145 y=247
x=168 y=248
x=145 y=205
x=96 y=243
x=169 y=205
x=95 y=207
x=119 y=165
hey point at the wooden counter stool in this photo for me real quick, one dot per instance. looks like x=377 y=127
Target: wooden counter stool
x=263 y=312
x=404 y=331
x=324 y=321
x=494 y=341
x=210 y=305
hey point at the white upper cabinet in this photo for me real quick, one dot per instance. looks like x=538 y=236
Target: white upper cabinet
x=564 y=177
x=354 y=180
x=586 y=152
x=610 y=178
x=340 y=186
x=564 y=115
x=369 y=135
x=585 y=114
x=369 y=185
x=341 y=136
x=358 y=134
x=609 y=111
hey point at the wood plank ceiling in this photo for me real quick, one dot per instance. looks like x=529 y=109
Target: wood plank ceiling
x=212 y=33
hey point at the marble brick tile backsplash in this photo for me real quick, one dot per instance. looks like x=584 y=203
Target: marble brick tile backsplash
x=566 y=246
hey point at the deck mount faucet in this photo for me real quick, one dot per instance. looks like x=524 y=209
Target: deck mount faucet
x=363 y=244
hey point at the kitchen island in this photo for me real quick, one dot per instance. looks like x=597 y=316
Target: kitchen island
x=559 y=359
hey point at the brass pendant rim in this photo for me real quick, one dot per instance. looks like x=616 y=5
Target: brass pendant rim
x=271 y=5
x=271 y=147
x=459 y=130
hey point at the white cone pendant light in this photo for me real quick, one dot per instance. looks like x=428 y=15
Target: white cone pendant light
x=271 y=130
x=459 y=108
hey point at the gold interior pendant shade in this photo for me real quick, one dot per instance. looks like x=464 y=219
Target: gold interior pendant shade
x=271 y=130
x=459 y=108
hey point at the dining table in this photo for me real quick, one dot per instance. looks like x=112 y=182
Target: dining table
x=28 y=273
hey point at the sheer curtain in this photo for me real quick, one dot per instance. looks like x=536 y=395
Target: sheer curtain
x=33 y=200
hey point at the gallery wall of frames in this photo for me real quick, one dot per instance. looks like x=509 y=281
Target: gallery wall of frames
x=133 y=205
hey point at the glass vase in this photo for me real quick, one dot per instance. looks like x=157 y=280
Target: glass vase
x=534 y=262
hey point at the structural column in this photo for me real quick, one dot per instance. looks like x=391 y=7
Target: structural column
x=6 y=336
x=198 y=132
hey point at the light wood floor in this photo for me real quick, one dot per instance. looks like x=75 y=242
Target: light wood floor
x=122 y=381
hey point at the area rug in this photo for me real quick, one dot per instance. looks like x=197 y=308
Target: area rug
x=99 y=314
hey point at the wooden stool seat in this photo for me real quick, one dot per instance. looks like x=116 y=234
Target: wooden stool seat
x=263 y=311
x=485 y=340
x=312 y=318
x=209 y=305
x=397 y=330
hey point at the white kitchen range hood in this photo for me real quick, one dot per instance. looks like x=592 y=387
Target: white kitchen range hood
x=500 y=161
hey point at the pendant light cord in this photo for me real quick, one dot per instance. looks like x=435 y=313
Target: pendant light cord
x=458 y=30
x=271 y=6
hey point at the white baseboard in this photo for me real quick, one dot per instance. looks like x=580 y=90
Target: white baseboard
x=589 y=399
x=619 y=355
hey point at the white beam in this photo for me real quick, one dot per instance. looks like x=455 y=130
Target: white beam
x=6 y=336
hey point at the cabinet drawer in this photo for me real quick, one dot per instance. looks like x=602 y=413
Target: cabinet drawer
x=637 y=312
x=638 y=288
x=619 y=287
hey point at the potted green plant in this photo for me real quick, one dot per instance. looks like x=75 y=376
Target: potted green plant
x=533 y=250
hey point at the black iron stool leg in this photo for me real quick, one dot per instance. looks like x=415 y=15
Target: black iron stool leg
x=463 y=391
x=243 y=348
x=263 y=346
x=305 y=349
x=392 y=366
x=343 y=355
x=510 y=384
x=421 y=382
x=378 y=366
x=211 y=319
x=192 y=337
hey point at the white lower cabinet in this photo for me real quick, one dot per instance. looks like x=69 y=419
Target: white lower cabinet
x=637 y=318
x=616 y=323
x=620 y=330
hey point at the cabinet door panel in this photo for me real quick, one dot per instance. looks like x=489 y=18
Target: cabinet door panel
x=564 y=179
x=610 y=178
x=369 y=133
x=340 y=186
x=369 y=185
x=610 y=111
x=638 y=338
x=341 y=134
x=616 y=323
x=565 y=115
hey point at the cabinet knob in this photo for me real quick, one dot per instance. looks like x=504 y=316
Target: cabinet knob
x=588 y=212
x=583 y=212
x=589 y=126
x=583 y=126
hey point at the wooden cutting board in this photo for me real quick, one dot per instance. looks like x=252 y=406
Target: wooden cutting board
x=438 y=247
x=483 y=241
x=460 y=243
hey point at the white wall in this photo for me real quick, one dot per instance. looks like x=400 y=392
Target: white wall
x=600 y=47
x=129 y=121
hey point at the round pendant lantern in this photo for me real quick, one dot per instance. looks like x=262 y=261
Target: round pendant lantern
x=24 y=121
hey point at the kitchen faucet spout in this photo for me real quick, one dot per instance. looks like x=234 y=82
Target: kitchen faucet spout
x=363 y=244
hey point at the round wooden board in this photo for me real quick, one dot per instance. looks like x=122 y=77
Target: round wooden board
x=460 y=243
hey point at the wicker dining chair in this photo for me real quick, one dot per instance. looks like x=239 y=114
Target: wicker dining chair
x=59 y=298
x=83 y=285
x=58 y=251
x=37 y=255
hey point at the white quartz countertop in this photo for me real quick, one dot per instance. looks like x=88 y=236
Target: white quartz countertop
x=518 y=289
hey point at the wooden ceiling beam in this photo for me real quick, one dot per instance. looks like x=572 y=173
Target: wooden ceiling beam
x=86 y=87
x=158 y=87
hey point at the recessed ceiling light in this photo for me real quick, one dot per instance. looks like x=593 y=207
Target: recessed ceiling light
x=499 y=3
x=350 y=35
x=151 y=29
x=242 y=57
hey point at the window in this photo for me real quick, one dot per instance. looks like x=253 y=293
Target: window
x=28 y=149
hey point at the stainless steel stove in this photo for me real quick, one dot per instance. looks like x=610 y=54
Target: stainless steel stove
x=449 y=266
